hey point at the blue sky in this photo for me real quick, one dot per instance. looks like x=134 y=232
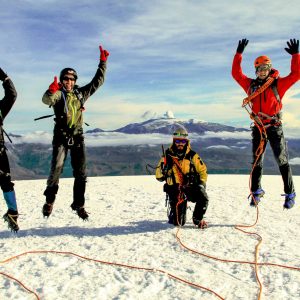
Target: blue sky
x=164 y=55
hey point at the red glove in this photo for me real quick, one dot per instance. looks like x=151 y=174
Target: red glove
x=103 y=54
x=54 y=86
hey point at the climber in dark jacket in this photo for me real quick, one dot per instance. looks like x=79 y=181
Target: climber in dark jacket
x=10 y=96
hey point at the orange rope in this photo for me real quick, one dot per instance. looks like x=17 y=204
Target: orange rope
x=233 y=261
x=248 y=99
x=180 y=196
x=259 y=151
x=21 y=284
x=107 y=263
x=143 y=268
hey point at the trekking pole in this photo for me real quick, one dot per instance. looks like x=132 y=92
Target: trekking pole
x=164 y=155
x=43 y=117
x=7 y=135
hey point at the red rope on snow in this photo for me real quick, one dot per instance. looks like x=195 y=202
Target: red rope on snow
x=107 y=263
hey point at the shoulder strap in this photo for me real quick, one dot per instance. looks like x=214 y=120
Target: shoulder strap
x=275 y=90
x=79 y=97
x=1 y=118
x=169 y=159
x=190 y=155
x=252 y=86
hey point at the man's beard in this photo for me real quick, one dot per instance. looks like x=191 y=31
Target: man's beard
x=180 y=152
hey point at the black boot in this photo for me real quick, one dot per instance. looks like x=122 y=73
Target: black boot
x=81 y=212
x=11 y=218
x=47 y=209
x=50 y=194
x=78 y=198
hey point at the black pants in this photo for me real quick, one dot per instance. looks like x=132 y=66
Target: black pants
x=192 y=193
x=5 y=178
x=278 y=144
x=78 y=163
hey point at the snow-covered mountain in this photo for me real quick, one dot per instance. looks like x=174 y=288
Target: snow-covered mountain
x=166 y=125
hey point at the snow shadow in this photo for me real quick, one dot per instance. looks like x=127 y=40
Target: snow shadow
x=134 y=228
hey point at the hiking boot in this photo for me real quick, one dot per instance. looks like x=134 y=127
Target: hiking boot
x=289 y=201
x=11 y=218
x=81 y=212
x=47 y=209
x=256 y=195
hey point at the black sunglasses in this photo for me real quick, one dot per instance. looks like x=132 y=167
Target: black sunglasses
x=69 y=78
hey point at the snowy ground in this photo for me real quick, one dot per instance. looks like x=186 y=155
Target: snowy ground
x=128 y=226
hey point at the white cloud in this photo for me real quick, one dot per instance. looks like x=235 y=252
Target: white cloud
x=117 y=139
x=219 y=147
x=109 y=138
x=228 y=135
x=295 y=161
x=169 y=114
x=37 y=137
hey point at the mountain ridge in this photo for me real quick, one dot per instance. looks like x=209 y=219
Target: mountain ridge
x=166 y=126
x=127 y=150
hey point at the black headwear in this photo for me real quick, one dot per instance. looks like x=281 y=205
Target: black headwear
x=67 y=71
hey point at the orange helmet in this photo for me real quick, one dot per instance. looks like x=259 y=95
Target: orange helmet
x=262 y=60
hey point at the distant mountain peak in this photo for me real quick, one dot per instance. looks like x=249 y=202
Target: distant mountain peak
x=169 y=115
x=96 y=130
x=150 y=115
x=168 y=122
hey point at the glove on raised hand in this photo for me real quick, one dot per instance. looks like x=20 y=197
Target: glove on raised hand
x=103 y=54
x=54 y=86
x=242 y=45
x=293 y=46
x=3 y=75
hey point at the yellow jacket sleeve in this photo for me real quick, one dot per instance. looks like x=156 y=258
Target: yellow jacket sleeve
x=200 y=168
x=158 y=173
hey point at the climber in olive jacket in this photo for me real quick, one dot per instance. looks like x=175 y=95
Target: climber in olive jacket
x=67 y=100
